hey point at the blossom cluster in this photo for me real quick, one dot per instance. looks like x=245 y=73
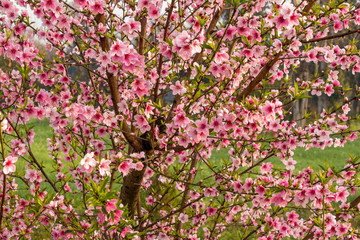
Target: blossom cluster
x=167 y=84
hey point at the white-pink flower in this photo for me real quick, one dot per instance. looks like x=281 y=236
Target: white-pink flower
x=31 y=175
x=183 y=218
x=290 y=164
x=178 y=88
x=88 y=161
x=104 y=167
x=9 y=165
x=142 y=123
x=4 y=125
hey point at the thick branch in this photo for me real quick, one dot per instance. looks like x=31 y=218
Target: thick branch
x=309 y=6
x=142 y=36
x=258 y=78
x=115 y=95
x=132 y=182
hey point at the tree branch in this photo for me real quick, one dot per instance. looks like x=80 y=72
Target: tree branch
x=265 y=70
x=331 y=36
x=197 y=56
x=115 y=95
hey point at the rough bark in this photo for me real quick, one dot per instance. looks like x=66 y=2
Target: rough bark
x=131 y=189
x=132 y=182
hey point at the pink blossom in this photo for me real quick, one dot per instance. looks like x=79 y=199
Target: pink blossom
x=221 y=57
x=281 y=21
x=31 y=175
x=124 y=168
x=97 y=7
x=290 y=164
x=342 y=194
x=338 y=26
x=142 y=123
x=88 y=161
x=178 y=88
x=183 y=218
x=125 y=231
x=4 y=124
x=9 y=164
x=211 y=211
x=117 y=217
x=111 y=205
x=104 y=167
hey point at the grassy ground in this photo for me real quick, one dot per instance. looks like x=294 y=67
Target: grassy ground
x=335 y=157
x=314 y=157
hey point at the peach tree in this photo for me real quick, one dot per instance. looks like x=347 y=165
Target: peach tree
x=163 y=86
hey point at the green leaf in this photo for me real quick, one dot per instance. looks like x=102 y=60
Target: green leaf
x=302 y=96
x=207 y=46
x=296 y=88
x=103 y=184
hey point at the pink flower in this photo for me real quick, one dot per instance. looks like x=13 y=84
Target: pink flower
x=117 y=217
x=9 y=165
x=281 y=21
x=4 y=125
x=329 y=89
x=143 y=3
x=353 y=136
x=269 y=108
x=221 y=57
x=142 y=123
x=211 y=211
x=183 y=218
x=290 y=164
x=153 y=11
x=97 y=8
x=202 y=125
x=266 y=168
x=342 y=195
x=111 y=205
x=181 y=120
x=31 y=175
x=124 y=168
x=139 y=166
x=185 y=46
x=216 y=124
x=67 y=187
x=260 y=190
x=125 y=231
x=149 y=200
x=279 y=199
x=338 y=26
x=104 y=167
x=178 y=88
x=88 y=161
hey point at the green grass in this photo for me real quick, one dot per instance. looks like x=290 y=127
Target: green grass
x=314 y=157
x=40 y=150
x=39 y=147
x=335 y=157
